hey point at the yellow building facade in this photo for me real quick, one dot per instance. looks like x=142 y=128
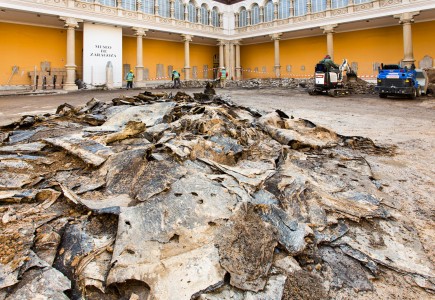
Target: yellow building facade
x=47 y=44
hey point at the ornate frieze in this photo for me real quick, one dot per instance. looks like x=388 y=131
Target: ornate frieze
x=363 y=6
x=339 y=12
x=383 y=3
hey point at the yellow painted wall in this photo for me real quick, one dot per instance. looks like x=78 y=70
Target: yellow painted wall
x=366 y=47
x=168 y=53
x=254 y=57
x=27 y=46
x=422 y=37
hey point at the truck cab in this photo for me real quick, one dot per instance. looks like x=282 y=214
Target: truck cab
x=395 y=80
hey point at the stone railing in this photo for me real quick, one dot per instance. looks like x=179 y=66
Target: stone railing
x=328 y=13
x=110 y=11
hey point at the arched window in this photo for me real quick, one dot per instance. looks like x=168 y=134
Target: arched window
x=215 y=17
x=204 y=14
x=129 y=4
x=268 y=11
x=255 y=14
x=284 y=9
x=243 y=17
x=148 y=7
x=300 y=7
x=318 y=5
x=338 y=3
x=191 y=12
x=108 y=2
x=178 y=10
x=164 y=8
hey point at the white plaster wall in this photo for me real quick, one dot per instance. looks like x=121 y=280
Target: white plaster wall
x=101 y=44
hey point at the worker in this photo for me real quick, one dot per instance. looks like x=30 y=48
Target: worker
x=176 y=79
x=327 y=61
x=129 y=78
x=223 y=75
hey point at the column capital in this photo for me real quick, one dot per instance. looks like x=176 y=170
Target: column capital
x=139 y=31
x=329 y=28
x=407 y=17
x=275 y=36
x=222 y=42
x=236 y=42
x=71 y=22
x=187 y=37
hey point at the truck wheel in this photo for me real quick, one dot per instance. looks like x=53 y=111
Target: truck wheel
x=413 y=94
x=382 y=95
x=419 y=91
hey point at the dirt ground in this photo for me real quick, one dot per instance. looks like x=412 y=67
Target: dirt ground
x=408 y=176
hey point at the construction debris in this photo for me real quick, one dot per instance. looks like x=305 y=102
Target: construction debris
x=162 y=196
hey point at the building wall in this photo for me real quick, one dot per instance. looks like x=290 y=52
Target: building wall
x=27 y=46
x=254 y=57
x=365 y=47
x=34 y=45
x=169 y=54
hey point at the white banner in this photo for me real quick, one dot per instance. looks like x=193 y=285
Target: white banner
x=102 y=44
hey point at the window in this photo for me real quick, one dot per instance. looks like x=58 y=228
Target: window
x=361 y=1
x=215 y=17
x=255 y=14
x=300 y=7
x=129 y=4
x=148 y=7
x=178 y=10
x=191 y=12
x=204 y=14
x=243 y=17
x=268 y=11
x=164 y=8
x=318 y=5
x=338 y=3
x=108 y=2
x=284 y=9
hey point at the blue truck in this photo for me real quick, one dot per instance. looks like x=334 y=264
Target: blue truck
x=395 y=80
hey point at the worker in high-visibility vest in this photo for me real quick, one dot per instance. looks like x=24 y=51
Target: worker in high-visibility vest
x=223 y=75
x=129 y=78
x=176 y=79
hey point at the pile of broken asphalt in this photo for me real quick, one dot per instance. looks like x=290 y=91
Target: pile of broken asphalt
x=179 y=197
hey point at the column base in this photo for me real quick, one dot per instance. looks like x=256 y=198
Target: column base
x=408 y=62
x=186 y=73
x=70 y=87
x=140 y=84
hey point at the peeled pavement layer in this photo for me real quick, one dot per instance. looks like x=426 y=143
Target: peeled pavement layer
x=173 y=197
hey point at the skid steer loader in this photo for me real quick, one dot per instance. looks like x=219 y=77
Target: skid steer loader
x=330 y=80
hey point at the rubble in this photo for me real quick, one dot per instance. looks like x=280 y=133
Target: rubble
x=162 y=196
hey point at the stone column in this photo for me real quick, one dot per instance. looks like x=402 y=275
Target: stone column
x=329 y=31
x=156 y=7
x=238 y=67
x=406 y=19
x=221 y=53
x=275 y=11
x=187 y=39
x=236 y=20
x=221 y=20
x=261 y=14
x=71 y=24
x=139 y=33
x=227 y=56
x=275 y=38
x=232 y=55
x=172 y=9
